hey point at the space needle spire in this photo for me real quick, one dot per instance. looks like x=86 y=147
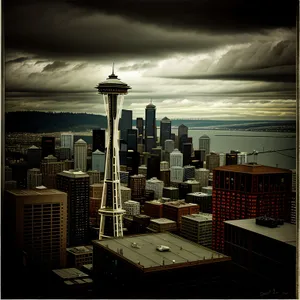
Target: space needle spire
x=111 y=212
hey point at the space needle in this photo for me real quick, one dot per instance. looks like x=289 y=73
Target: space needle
x=111 y=212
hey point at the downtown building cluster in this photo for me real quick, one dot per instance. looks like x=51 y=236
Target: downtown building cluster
x=166 y=185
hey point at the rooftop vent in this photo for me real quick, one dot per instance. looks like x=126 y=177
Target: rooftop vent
x=162 y=248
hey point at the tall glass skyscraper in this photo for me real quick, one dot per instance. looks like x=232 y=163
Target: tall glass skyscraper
x=125 y=123
x=150 y=127
x=165 y=131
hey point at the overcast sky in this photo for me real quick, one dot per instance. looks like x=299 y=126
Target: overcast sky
x=208 y=59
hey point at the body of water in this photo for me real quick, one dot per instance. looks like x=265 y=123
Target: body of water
x=247 y=141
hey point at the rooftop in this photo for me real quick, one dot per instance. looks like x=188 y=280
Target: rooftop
x=69 y=273
x=36 y=192
x=98 y=152
x=80 y=249
x=204 y=136
x=144 y=254
x=155 y=202
x=199 y=217
x=285 y=233
x=180 y=203
x=73 y=174
x=80 y=141
x=253 y=169
x=163 y=221
x=198 y=194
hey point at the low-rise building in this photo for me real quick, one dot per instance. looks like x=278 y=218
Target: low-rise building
x=80 y=255
x=162 y=224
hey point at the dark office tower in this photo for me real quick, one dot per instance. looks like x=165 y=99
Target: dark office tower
x=157 y=151
x=183 y=140
x=184 y=189
x=231 y=159
x=123 y=158
x=150 y=127
x=19 y=173
x=248 y=191
x=200 y=155
x=48 y=146
x=133 y=159
x=125 y=123
x=140 y=129
x=132 y=139
x=76 y=185
x=165 y=176
x=173 y=136
x=34 y=157
x=165 y=131
x=182 y=130
x=187 y=152
x=98 y=140
x=153 y=167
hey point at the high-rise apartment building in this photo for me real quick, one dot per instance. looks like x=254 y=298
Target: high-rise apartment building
x=94 y=176
x=37 y=226
x=188 y=172
x=34 y=178
x=222 y=157
x=125 y=194
x=137 y=186
x=132 y=208
x=248 y=191
x=204 y=143
x=212 y=161
x=142 y=170
x=49 y=170
x=98 y=161
x=177 y=173
x=98 y=140
x=176 y=158
x=164 y=165
x=77 y=185
x=80 y=155
x=150 y=127
x=165 y=130
x=202 y=175
x=67 y=140
x=182 y=130
x=155 y=185
x=48 y=146
x=96 y=191
x=34 y=156
x=169 y=145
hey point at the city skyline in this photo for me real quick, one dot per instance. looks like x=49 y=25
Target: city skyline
x=237 y=61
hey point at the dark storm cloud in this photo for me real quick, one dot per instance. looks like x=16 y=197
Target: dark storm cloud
x=57 y=65
x=17 y=60
x=210 y=15
x=63 y=31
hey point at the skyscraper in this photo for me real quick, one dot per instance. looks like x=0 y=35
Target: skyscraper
x=176 y=158
x=38 y=225
x=80 y=155
x=212 y=161
x=49 y=170
x=150 y=127
x=98 y=161
x=67 y=140
x=34 y=157
x=140 y=128
x=165 y=131
x=248 y=191
x=204 y=143
x=125 y=123
x=76 y=184
x=111 y=212
x=98 y=140
x=187 y=152
x=48 y=146
x=132 y=139
x=34 y=178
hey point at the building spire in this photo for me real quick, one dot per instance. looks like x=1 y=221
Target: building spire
x=113 y=69
x=151 y=100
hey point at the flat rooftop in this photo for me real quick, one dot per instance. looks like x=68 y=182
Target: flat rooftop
x=199 y=217
x=73 y=174
x=36 y=192
x=180 y=203
x=284 y=233
x=80 y=250
x=162 y=221
x=140 y=250
x=69 y=273
x=253 y=169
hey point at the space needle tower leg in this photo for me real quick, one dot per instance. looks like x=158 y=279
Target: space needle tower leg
x=111 y=212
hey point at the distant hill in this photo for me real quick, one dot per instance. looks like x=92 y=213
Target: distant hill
x=39 y=122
